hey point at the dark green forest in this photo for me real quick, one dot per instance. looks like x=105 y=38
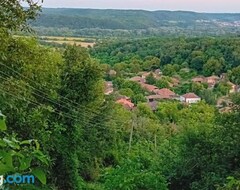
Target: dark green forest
x=57 y=124
x=133 y=23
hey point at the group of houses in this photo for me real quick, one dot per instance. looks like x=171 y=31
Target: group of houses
x=156 y=94
x=213 y=80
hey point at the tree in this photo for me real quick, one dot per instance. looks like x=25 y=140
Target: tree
x=162 y=83
x=150 y=79
x=197 y=63
x=14 y=16
x=169 y=70
x=213 y=66
x=234 y=75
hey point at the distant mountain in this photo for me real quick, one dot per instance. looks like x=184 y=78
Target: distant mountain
x=81 y=19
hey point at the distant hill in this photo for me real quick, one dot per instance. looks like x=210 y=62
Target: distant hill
x=148 y=22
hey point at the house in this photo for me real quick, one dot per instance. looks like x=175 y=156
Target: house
x=148 y=87
x=233 y=87
x=112 y=73
x=138 y=79
x=190 y=98
x=223 y=76
x=199 y=79
x=108 y=88
x=175 y=81
x=158 y=72
x=153 y=98
x=126 y=102
x=165 y=93
x=212 y=80
x=144 y=75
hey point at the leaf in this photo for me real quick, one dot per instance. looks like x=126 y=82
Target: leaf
x=3 y=126
x=40 y=174
x=11 y=144
x=26 y=142
x=25 y=163
x=2 y=143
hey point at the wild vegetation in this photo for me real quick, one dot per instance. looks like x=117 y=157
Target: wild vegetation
x=57 y=123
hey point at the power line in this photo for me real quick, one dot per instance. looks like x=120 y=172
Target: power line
x=69 y=101
x=69 y=116
x=87 y=113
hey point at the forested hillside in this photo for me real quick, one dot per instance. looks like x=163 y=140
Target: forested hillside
x=58 y=124
x=134 y=23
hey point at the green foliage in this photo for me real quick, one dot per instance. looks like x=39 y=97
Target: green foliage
x=162 y=83
x=14 y=16
x=213 y=66
x=134 y=173
x=168 y=112
x=234 y=75
x=223 y=88
x=21 y=156
x=131 y=23
x=150 y=79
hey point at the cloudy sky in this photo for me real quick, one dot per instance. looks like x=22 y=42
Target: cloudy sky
x=189 y=5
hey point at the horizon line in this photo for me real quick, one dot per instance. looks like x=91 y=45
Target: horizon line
x=139 y=9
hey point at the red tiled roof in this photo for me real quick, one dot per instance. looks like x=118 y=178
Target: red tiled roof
x=165 y=93
x=137 y=79
x=154 y=97
x=199 y=79
x=190 y=95
x=126 y=103
x=149 y=87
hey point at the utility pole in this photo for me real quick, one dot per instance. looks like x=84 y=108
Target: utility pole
x=131 y=135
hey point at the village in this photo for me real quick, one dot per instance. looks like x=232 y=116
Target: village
x=154 y=94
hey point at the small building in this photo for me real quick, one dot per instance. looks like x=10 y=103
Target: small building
x=165 y=93
x=212 y=81
x=126 y=102
x=108 y=88
x=190 y=98
x=199 y=79
x=112 y=73
x=153 y=98
x=233 y=87
x=138 y=79
x=148 y=87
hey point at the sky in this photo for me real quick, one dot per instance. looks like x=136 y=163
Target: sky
x=222 y=6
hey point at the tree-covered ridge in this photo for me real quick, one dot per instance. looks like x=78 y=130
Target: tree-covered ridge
x=100 y=23
x=205 y=55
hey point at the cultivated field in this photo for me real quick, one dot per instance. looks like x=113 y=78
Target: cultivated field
x=79 y=41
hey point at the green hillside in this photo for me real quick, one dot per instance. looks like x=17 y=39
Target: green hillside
x=134 y=22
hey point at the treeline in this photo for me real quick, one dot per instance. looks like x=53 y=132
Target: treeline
x=205 y=56
x=133 y=23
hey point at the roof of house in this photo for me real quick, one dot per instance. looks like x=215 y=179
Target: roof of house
x=149 y=87
x=126 y=103
x=213 y=78
x=112 y=72
x=165 y=93
x=199 y=79
x=154 y=97
x=190 y=95
x=137 y=79
x=231 y=84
